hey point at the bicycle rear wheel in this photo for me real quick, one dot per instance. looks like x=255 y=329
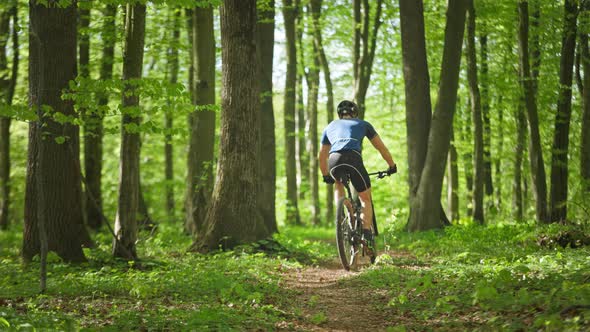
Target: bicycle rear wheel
x=345 y=223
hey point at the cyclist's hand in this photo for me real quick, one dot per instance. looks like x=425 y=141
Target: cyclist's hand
x=328 y=179
x=392 y=169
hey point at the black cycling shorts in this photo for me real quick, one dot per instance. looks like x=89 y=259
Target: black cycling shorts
x=349 y=162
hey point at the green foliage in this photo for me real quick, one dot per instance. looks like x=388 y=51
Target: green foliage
x=498 y=273
x=465 y=277
x=307 y=244
x=172 y=289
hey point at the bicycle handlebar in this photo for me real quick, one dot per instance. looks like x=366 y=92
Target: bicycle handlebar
x=380 y=174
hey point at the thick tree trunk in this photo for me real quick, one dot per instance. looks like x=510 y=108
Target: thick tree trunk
x=426 y=205
x=200 y=160
x=585 y=141
x=292 y=215
x=93 y=130
x=560 y=148
x=528 y=86
x=316 y=7
x=267 y=184
x=7 y=86
x=234 y=217
x=126 y=223
x=517 y=196
x=485 y=113
x=453 y=181
x=173 y=66
x=313 y=83
x=476 y=113
x=54 y=168
x=365 y=53
x=417 y=88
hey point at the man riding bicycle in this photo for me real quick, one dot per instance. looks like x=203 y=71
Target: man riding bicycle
x=340 y=155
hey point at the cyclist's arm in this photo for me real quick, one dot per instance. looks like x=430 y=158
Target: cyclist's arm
x=323 y=158
x=380 y=146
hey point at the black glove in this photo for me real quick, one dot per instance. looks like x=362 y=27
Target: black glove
x=392 y=170
x=328 y=179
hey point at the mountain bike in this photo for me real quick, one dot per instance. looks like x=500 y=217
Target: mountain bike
x=349 y=227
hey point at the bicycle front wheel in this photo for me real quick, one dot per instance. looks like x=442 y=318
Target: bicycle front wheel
x=345 y=221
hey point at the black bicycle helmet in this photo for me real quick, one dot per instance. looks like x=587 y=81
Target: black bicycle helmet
x=347 y=107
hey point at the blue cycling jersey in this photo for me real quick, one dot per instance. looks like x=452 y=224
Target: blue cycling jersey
x=347 y=134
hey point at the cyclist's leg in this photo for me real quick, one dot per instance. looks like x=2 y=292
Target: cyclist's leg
x=366 y=208
x=337 y=173
x=338 y=191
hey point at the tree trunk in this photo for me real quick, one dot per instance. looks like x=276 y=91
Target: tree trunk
x=292 y=215
x=356 y=49
x=313 y=83
x=126 y=221
x=84 y=8
x=585 y=141
x=52 y=65
x=188 y=15
x=499 y=155
x=200 y=160
x=94 y=130
x=425 y=207
x=316 y=9
x=467 y=157
x=517 y=196
x=417 y=88
x=173 y=66
x=453 y=181
x=365 y=53
x=84 y=73
x=84 y=39
x=476 y=112
x=535 y=49
x=7 y=86
x=303 y=181
x=233 y=216
x=485 y=112
x=267 y=184
x=302 y=155
x=535 y=150
x=560 y=148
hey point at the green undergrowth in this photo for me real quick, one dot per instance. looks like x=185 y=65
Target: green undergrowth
x=172 y=289
x=500 y=277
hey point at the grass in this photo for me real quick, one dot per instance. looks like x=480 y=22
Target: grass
x=466 y=277
x=495 y=277
x=175 y=290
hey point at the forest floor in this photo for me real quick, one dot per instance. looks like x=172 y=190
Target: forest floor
x=513 y=277
x=333 y=299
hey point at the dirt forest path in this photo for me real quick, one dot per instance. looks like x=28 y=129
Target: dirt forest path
x=331 y=299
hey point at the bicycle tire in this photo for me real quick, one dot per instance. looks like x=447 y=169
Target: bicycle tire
x=345 y=223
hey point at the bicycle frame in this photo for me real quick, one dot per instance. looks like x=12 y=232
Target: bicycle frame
x=350 y=240
x=357 y=228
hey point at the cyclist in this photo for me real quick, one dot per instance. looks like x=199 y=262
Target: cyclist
x=340 y=154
